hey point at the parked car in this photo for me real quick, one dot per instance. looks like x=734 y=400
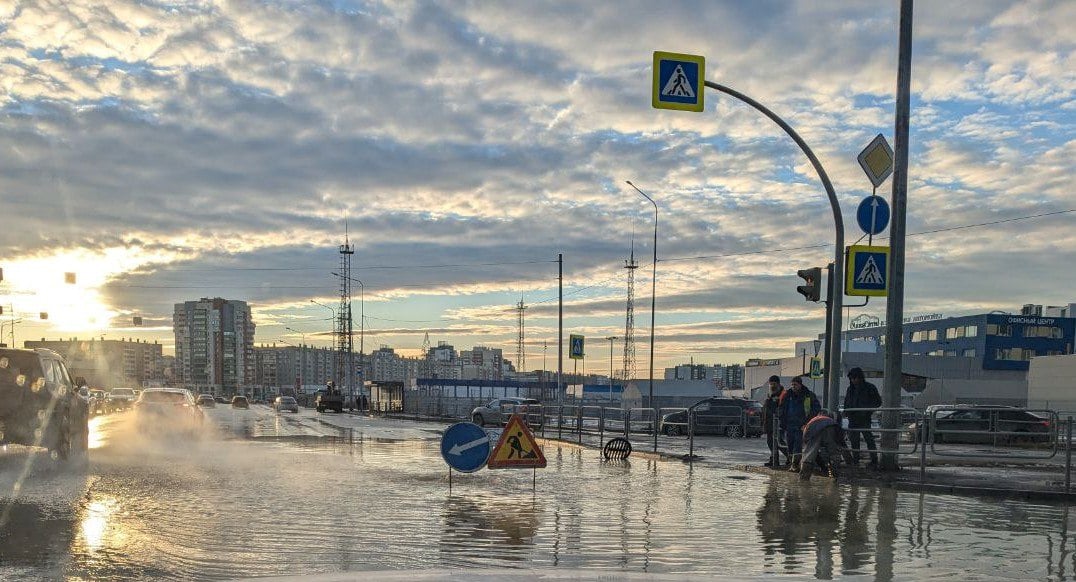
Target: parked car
x=497 y=411
x=121 y=398
x=207 y=401
x=974 y=424
x=168 y=410
x=220 y=400
x=725 y=416
x=283 y=403
x=240 y=402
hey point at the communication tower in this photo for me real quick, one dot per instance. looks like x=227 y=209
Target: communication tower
x=521 y=355
x=629 y=318
x=345 y=365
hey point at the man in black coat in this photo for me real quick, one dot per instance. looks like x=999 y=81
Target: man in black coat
x=861 y=394
x=769 y=415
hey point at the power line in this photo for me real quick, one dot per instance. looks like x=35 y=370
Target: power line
x=368 y=267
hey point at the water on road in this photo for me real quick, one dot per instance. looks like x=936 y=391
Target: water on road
x=269 y=495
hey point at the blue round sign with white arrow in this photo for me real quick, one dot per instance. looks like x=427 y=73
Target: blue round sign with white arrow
x=465 y=447
x=873 y=214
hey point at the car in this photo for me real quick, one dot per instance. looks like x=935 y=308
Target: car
x=283 y=403
x=121 y=398
x=497 y=411
x=240 y=402
x=169 y=411
x=206 y=401
x=981 y=424
x=732 y=417
x=220 y=400
x=40 y=405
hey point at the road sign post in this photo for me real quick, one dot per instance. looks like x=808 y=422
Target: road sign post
x=517 y=448
x=678 y=81
x=465 y=447
x=873 y=214
x=867 y=271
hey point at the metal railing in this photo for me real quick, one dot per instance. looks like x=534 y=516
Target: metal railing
x=1010 y=429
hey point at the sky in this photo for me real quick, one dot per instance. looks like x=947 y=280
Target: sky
x=166 y=151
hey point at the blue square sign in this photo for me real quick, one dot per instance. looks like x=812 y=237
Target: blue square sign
x=678 y=81
x=867 y=271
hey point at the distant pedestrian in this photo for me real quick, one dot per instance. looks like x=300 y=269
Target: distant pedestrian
x=861 y=394
x=769 y=415
x=795 y=407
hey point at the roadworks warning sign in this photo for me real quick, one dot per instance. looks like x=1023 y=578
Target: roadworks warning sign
x=516 y=449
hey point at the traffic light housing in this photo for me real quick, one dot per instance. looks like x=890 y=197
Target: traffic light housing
x=812 y=287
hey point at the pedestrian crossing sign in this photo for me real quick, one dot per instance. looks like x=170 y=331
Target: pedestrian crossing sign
x=516 y=449
x=867 y=271
x=678 y=81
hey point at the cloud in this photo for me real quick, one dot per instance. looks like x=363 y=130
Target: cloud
x=219 y=146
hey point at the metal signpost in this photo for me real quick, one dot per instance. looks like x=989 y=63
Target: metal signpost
x=673 y=86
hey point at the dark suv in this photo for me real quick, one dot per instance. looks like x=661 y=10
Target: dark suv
x=40 y=405
x=734 y=417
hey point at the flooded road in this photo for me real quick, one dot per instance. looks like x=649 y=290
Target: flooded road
x=269 y=495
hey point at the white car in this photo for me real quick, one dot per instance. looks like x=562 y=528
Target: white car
x=168 y=410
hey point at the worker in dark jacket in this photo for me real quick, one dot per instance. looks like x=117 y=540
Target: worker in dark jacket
x=795 y=408
x=823 y=442
x=861 y=394
x=769 y=415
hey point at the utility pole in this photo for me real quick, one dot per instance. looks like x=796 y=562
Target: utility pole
x=560 y=326
x=611 y=339
x=894 y=308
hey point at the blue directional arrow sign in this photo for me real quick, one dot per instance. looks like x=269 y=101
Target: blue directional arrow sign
x=465 y=447
x=873 y=214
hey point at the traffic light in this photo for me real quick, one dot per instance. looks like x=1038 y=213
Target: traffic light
x=812 y=287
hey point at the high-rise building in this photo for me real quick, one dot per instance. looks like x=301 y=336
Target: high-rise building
x=482 y=363
x=388 y=366
x=214 y=345
x=303 y=368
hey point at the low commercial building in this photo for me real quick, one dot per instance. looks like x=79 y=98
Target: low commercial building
x=109 y=364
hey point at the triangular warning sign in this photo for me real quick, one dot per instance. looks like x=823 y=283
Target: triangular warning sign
x=678 y=85
x=870 y=275
x=516 y=449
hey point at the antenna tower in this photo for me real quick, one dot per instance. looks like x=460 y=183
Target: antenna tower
x=345 y=365
x=427 y=365
x=629 y=319
x=521 y=355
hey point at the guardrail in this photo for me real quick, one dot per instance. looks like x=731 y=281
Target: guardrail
x=994 y=426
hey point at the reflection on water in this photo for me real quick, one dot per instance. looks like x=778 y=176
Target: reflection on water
x=298 y=504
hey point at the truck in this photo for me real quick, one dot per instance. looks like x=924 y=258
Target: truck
x=330 y=398
x=40 y=405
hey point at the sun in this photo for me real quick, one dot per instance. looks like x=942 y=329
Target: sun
x=61 y=292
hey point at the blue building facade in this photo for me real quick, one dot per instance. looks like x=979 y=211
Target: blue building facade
x=999 y=341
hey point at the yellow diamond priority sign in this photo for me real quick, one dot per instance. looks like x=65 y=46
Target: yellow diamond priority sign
x=877 y=160
x=516 y=449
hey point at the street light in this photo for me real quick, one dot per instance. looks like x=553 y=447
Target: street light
x=611 y=339
x=302 y=356
x=653 y=299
